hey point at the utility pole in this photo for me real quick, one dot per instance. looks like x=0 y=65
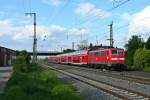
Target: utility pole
x=80 y=29
x=72 y=45
x=96 y=40
x=111 y=34
x=34 y=38
x=67 y=35
x=61 y=49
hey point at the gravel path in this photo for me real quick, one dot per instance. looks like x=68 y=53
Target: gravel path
x=5 y=73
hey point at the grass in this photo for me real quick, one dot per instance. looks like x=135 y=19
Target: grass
x=132 y=68
x=39 y=84
x=147 y=69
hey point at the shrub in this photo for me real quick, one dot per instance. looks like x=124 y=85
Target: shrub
x=22 y=62
x=18 y=79
x=147 y=69
x=33 y=67
x=142 y=59
x=64 y=92
x=15 y=93
x=40 y=95
x=37 y=84
x=49 y=77
x=46 y=74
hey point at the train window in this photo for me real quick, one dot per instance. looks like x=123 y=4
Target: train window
x=91 y=54
x=101 y=53
x=114 y=51
x=120 y=52
x=96 y=53
x=117 y=52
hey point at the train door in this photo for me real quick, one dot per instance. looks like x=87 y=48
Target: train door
x=106 y=56
x=84 y=59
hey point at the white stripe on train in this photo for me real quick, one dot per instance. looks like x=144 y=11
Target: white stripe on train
x=118 y=59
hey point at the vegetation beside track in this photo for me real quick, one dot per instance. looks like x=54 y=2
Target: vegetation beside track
x=32 y=82
x=138 y=54
x=142 y=59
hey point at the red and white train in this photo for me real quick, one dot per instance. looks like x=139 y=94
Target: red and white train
x=100 y=58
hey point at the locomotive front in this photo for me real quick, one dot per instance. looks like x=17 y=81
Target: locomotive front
x=117 y=58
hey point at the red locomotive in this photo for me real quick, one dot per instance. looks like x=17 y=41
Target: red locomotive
x=99 y=58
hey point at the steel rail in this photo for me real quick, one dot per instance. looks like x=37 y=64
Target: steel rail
x=122 y=75
x=114 y=90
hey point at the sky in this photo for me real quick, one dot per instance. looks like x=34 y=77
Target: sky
x=61 y=22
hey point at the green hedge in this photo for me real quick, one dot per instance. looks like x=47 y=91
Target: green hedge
x=142 y=59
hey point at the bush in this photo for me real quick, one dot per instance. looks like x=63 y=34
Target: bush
x=33 y=67
x=22 y=62
x=15 y=93
x=141 y=59
x=32 y=82
x=46 y=74
x=147 y=69
x=18 y=79
x=64 y=92
x=39 y=84
x=49 y=78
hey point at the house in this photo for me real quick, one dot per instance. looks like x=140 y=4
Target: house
x=6 y=56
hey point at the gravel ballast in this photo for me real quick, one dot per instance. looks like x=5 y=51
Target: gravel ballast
x=86 y=91
x=138 y=87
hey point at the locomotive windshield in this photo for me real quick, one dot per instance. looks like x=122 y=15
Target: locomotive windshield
x=117 y=52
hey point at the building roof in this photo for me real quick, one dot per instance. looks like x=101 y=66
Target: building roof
x=7 y=48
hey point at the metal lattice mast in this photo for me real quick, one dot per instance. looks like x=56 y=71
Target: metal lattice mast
x=111 y=35
x=34 y=38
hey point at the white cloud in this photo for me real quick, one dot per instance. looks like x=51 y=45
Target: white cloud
x=22 y=33
x=26 y=32
x=126 y=16
x=5 y=27
x=88 y=9
x=57 y=29
x=120 y=39
x=76 y=31
x=52 y=2
x=140 y=23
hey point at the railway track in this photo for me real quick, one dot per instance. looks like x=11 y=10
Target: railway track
x=118 y=75
x=118 y=92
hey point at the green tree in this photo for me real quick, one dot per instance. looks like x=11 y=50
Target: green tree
x=26 y=55
x=68 y=50
x=90 y=46
x=133 y=44
x=147 y=44
x=141 y=58
x=22 y=61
